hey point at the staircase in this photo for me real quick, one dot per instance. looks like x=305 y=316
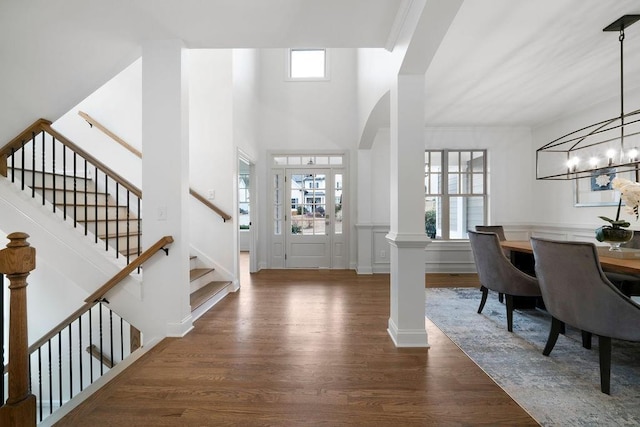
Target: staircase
x=105 y=207
x=205 y=291
x=99 y=214
x=98 y=201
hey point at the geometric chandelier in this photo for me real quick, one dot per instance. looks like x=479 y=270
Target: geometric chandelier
x=609 y=146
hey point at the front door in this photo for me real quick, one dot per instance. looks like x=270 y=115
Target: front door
x=309 y=225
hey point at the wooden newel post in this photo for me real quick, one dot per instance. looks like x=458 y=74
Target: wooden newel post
x=16 y=261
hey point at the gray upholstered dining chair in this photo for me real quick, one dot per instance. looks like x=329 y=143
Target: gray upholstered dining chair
x=498 y=229
x=497 y=273
x=576 y=291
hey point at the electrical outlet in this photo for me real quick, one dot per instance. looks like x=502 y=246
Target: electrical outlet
x=383 y=254
x=162 y=213
x=211 y=194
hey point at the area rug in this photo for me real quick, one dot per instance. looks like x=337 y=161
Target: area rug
x=560 y=390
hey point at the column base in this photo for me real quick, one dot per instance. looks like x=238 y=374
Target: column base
x=408 y=338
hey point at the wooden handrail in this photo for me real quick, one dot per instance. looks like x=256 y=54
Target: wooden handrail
x=144 y=256
x=95 y=297
x=45 y=125
x=126 y=184
x=16 y=142
x=116 y=138
x=225 y=216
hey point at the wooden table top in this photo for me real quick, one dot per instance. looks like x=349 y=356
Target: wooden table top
x=621 y=265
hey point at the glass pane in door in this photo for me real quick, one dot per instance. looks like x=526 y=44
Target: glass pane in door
x=337 y=194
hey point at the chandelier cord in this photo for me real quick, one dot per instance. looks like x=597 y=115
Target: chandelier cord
x=621 y=38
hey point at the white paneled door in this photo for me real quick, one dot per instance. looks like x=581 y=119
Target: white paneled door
x=309 y=224
x=307 y=221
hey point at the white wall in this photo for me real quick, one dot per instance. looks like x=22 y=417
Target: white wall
x=246 y=68
x=554 y=200
x=379 y=178
x=118 y=106
x=304 y=116
x=377 y=69
x=212 y=155
x=307 y=115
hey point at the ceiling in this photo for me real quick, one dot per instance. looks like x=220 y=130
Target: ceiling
x=502 y=62
x=523 y=62
x=56 y=52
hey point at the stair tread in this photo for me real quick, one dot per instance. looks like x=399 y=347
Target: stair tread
x=29 y=171
x=121 y=233
x=68 y=188
x=197 y=273
x=205 y=293
x=93 y=205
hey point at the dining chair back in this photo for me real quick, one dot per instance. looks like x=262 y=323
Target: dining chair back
x=576 y=291
x=496 y=272
x=498 y=229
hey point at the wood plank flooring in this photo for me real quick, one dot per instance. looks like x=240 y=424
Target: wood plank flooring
x=300 y=348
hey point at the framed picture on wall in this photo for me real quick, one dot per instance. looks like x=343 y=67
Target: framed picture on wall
x=596 y=190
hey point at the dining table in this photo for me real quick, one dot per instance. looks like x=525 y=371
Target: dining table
x=624 y=261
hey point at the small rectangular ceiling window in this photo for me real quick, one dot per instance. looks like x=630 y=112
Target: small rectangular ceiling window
x=308 y=64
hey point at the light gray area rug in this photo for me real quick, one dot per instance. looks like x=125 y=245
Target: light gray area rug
x=560 y=390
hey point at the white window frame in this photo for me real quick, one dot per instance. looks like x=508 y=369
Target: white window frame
x=306 y=79
x=445 y=195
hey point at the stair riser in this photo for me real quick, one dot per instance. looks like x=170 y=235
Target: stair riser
x=201 y=281
x=102 y=213
x=49 y=180
x=102 y=227
x=122 y=242
x=79 y=195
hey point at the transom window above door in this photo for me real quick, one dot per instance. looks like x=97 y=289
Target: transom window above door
x=315 y=160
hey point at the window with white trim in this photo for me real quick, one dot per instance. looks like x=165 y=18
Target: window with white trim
x=307 y=64
x=455 y=192
x=243 y=201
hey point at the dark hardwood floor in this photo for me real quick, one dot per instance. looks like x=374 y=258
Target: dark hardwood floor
x=298 y=348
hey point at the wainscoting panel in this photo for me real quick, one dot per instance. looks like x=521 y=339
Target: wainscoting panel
x=452 y=256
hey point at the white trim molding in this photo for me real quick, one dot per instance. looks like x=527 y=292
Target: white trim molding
x=407 y=338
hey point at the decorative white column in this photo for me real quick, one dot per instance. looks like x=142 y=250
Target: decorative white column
x=165 y=183
x=407 y=237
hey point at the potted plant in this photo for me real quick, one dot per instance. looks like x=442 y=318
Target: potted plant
x=616 y=232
